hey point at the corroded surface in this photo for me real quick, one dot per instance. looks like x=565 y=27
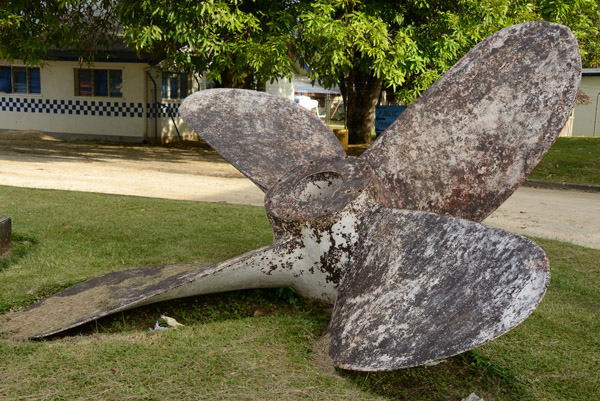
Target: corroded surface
x=263 y=136
x=95 y=298
x=321 y=209
x=427 y=286
x=472 y=138
x=5 y=234
x=319 y=188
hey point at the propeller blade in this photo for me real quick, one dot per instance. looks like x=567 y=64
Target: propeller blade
x=127 y=289
x=473 y=137
x=428 y=286
x=263 y=136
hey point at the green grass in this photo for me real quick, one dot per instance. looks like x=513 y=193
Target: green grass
x=256 y=344
x=574 y=160
x=70 y=236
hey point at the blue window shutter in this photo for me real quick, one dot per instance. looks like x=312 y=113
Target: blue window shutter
x=35 y=85
x=5 y=80
x=101 y=82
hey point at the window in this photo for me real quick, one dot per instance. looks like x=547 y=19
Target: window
x=175 y=86
x=20 y=80
x=93 y=82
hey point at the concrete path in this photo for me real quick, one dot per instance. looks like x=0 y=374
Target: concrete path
x=37 y=161
x=184 y=181
x=568 y=216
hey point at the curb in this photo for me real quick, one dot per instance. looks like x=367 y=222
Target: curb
x=561 y=185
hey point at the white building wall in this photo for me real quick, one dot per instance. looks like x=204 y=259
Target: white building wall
x=583 y=124
x=57 y=110
x=282 y=87
x=164 y=121
x=135 y=117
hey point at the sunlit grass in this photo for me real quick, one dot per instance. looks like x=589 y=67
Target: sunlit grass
x=256 y=344
x=571 y=159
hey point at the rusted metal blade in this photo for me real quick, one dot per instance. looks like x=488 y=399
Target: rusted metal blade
x=473 y=137
x=118 y=291
x=428 y=286
x=96 y=298
x=263 y=136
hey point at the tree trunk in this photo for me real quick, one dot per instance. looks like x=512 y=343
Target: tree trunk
x=227 y=81
x=362 y=95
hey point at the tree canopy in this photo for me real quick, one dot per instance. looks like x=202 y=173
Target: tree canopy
x=363 y=46
x=239 y=43
x=366 y=46
x=30 y=29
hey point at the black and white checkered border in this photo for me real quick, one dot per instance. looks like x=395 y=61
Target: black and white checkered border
x=73 y=107
x=165 y=110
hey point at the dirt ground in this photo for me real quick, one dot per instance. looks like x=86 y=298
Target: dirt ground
x=32 y=159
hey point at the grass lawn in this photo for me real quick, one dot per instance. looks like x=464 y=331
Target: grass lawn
x=571 y=159
x=249 y=345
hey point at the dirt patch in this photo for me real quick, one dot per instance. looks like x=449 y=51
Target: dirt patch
x=35 y=160
x=320 y=358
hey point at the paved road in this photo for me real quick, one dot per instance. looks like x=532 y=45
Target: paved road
x=197 y=175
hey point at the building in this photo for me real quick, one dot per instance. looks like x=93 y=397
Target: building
x=123 y=99
x=587 y=114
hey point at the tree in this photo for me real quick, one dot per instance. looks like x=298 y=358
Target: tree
x=239 y=43
x=358 y=46
x=30 y=29
x=363 y=46
x=368 y=45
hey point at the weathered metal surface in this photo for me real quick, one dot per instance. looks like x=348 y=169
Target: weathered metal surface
x=320 y=208
x=95 y=298
x=263 y=136
x=427 y=286
x=5 y=234
x=408 y=286
x=472 y=138
x=126 y=289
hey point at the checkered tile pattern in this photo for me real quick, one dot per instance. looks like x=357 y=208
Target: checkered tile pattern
x=74 y=107
x=165 y=110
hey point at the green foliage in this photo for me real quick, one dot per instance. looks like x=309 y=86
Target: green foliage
x=237 y=42
x=29 y=29
x=361 y=45
x=339 y=36
x=407 y=44
x=583 y=17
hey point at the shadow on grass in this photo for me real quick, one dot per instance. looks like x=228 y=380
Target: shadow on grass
x=208 y=309
x=452 y=379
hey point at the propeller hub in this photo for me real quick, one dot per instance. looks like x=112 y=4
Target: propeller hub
x=319 y=189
